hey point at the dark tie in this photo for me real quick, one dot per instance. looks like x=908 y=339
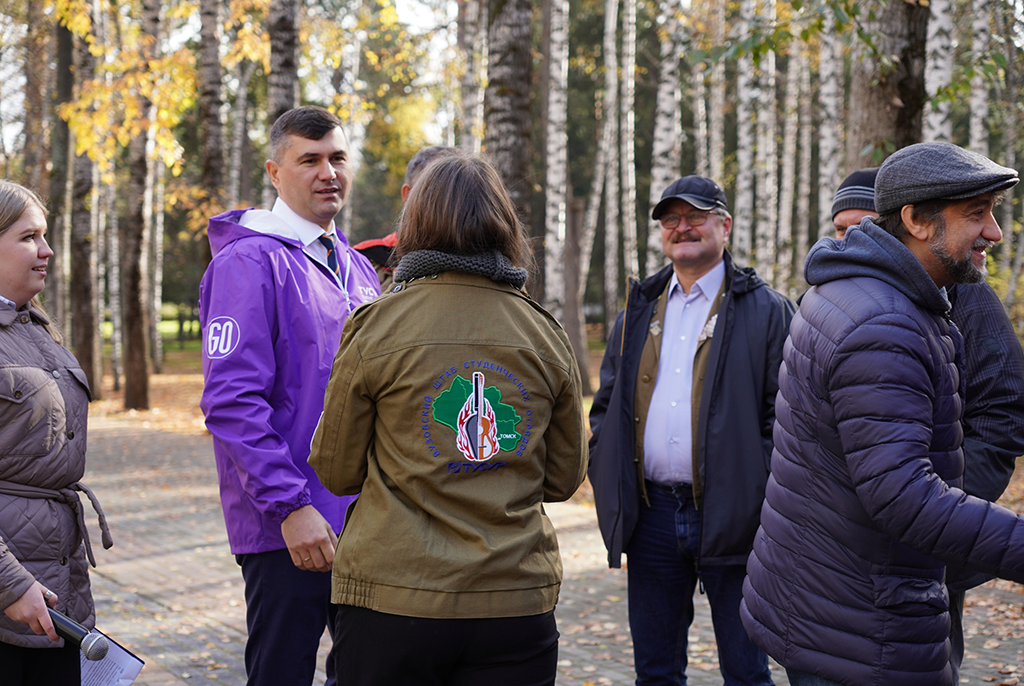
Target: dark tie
x=332 y=255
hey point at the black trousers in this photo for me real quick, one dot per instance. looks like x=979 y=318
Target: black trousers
x=377 y=649
x=286 y=610
x=40 y=666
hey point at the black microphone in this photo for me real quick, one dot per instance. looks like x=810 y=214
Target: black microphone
x=93 y=646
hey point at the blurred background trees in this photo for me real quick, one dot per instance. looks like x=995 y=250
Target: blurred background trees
x=139 y=120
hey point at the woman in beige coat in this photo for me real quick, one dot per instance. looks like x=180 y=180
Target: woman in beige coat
x=454 y=410
x=44 y=399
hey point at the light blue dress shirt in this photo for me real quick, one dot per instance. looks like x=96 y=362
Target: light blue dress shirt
x=668 y=442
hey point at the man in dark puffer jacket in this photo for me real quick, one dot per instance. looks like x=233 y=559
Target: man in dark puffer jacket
x=863 y=509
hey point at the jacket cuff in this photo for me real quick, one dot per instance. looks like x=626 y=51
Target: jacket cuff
x=279 y=513
x=15 y=580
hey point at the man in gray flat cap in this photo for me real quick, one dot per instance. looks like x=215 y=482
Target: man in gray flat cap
x=993 y=367
x=864 y=509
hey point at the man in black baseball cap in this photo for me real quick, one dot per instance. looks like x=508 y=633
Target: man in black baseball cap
x=682 y=435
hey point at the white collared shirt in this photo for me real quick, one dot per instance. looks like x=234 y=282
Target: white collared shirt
x=9 y=302
x=668 y=441
x=308 y=232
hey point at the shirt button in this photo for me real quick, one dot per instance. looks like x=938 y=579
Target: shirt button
x=678 y=370
x=671 y=440
x=56 y=374
x=682 y=338
x=673 y=404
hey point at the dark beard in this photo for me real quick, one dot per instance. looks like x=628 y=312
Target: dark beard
x=960 y=270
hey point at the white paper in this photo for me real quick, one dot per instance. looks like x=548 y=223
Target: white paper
x=118 y=668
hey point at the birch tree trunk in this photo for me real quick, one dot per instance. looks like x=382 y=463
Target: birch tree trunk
x=666 y=148
x=890 y=97
x=283 y=79
x=211 y=103
x=507 y=99
x=803 y=193
x=157 y=260
x=1011 y=291
x=556 y=140
x=239 y=133
x=472 y=40
x=743 y=218
x=60 y=142
x=716 y=120
x=135 y=272
x=791 y=131
x=938 y=73
x=980 y=30
x=767 y=160
x=114 y=286
x=830 y=97
x=627 y=122
x=700 y=120
x=1007 y=18
x=611 y=185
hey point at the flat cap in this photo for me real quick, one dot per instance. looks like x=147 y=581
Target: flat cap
x=936 y=171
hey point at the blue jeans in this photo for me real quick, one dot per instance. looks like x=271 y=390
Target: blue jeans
x=804 y=679
x=663 y=572
x=663 y=565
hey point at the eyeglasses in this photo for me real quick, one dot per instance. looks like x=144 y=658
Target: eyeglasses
x=693 y=218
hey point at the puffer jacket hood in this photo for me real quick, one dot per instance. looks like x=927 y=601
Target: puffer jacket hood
x=869 y=250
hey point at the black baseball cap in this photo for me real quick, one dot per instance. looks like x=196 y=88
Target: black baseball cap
x=702 y=193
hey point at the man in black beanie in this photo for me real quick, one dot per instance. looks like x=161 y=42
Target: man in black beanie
x=993 y=366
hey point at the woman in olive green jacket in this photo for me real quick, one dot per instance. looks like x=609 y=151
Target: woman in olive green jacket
x=454 y=410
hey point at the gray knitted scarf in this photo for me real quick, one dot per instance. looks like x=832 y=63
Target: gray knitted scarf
x=491 y=264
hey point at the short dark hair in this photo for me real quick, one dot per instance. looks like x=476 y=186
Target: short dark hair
x=309 y=122
x=927 y=211
x=421 y=159
x=459 y=206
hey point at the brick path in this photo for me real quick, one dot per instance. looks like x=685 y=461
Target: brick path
x=170 y=591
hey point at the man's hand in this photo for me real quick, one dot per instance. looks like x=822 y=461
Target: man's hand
x=310 y=539
x=30 y=609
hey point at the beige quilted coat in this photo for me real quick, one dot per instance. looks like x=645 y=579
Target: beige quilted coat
x=44 y=401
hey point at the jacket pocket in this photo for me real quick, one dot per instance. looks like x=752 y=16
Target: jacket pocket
x=82 y=379
x=909 y=596
x=29 y=399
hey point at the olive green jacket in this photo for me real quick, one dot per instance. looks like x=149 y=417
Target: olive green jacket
x=441 y=530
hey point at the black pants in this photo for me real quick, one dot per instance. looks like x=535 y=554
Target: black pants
x=286 y=610
x=377 y=649
x=40 y=666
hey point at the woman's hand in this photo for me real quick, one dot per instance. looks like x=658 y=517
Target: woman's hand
x=30 y=609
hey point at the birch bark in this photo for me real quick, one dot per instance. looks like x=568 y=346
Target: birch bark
x=791 y=128
x=557 y=162
x=716 y=117
x=829 y=67
x=803 y=194
x=938 y=73
x=665 y=147
x=766 y=184
x=627 y=122
x=611 y=185
x=980 y=30
x=743 y=218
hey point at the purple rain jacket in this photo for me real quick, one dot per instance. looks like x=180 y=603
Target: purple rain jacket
x=271 y=318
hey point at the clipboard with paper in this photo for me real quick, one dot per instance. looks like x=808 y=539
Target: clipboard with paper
x=118 y=668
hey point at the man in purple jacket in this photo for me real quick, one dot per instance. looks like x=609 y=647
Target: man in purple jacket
x=272 y=305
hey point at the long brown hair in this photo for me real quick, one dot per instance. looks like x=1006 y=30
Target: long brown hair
x=459 y=206
x=14 y=200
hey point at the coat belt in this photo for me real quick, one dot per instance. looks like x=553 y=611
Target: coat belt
x=70 y=497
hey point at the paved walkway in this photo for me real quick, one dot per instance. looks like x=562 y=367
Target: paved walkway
x=170 y=591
